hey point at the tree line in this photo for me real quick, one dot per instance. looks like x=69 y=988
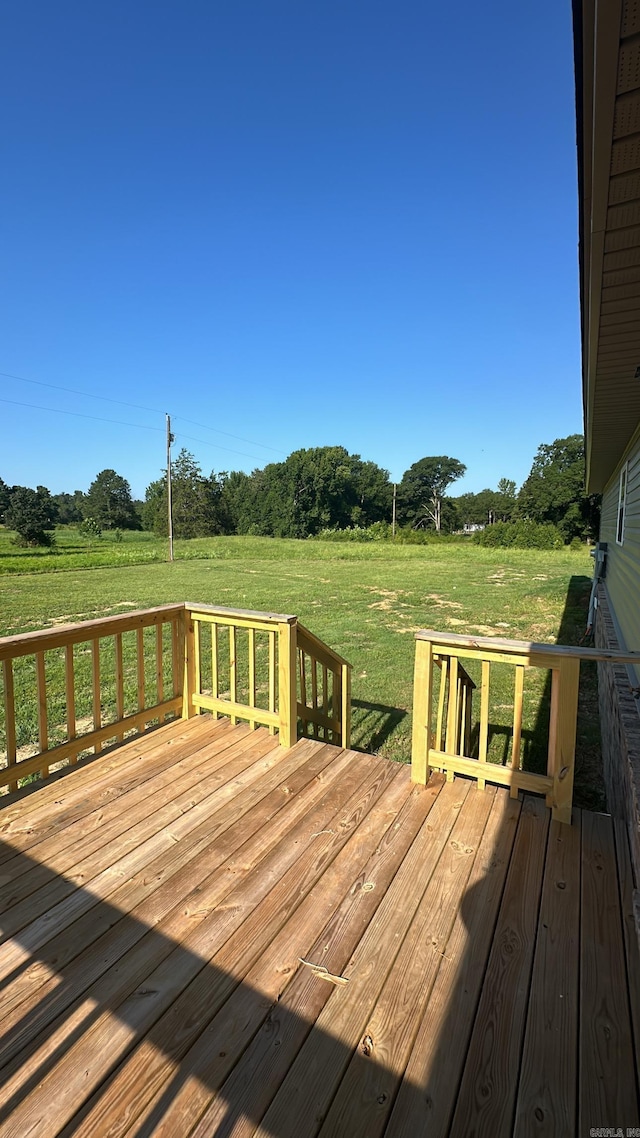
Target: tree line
x=314 y=490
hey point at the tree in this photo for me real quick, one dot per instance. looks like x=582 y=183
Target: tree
x=32 y=514
x=505 y=500
x=313 y=489
x=109 y=502
x=422 y=489
x=70 y=507
x=554 y=490
x=199 y=509
x=5 y=497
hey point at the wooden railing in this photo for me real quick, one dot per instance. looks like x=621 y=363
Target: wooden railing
x=448 y=746
x=58 y=681
x=69 y=691
x=268 y=669
x=324 y=685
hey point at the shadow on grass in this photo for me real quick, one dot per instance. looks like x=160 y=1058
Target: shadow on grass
x=589 y=785
x=372 y=724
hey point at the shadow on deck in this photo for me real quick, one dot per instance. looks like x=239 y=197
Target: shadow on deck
x=162 y=907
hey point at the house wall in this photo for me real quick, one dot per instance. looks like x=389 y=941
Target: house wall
x=620 y=728
x=623 y=561
x=617 y=625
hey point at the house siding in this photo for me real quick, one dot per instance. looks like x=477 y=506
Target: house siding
x=623 y=561
x=620 y=727
x=617 y=625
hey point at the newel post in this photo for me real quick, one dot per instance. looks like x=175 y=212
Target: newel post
x=189 y=665
x=422 y=694
x=563 y=723
x=288 y=683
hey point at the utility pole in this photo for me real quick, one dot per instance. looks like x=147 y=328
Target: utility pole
x=169 y=499
x=393 y=523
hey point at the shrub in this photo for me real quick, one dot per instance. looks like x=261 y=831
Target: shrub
x=32 y=514
x=520 y=535
x=90 y=528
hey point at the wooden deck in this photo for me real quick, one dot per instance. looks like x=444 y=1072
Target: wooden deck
x=204 y=933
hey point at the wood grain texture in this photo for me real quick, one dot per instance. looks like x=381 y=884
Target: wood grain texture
x=547 y=1089
x=249 y=828
x=185 y=1021
x=261 y=904
x=365 y=1096
x=205 y=1068
x=427 y=1096
x=607 y=1078
x=486 y=1101
x=306 y=1093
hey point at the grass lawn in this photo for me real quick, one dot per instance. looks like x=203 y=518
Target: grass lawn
x=366 y=601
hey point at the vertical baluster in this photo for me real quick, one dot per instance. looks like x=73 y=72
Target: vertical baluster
x=177 y=651
x=272 y=676
x=119 y=683
x=43 y=719
x=484 y=717
x=70 y=697
x=95 y=688
x=452 y=712
x=214 y=664
x=197 y=662
x=303 y=688
x=233 y=679
x=466 y=748
x=336 y=707
x=325 y=699
x=517 y=725
x=314 y=694
x=346 y=706
x=440 y=721
x=9 y=716
x=462 y=713
x=159 y=667
x=140 y=667
x=252 y=673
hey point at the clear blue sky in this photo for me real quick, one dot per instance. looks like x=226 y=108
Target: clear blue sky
x=302 y=223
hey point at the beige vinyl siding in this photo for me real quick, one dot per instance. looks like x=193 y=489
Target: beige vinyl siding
x=623 y=561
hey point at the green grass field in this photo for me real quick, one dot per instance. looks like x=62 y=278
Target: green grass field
x=366 y=601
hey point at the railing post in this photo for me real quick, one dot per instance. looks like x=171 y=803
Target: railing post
x=422 y=693
x=189 y=669
x=288 y=683
x=345 y=721
x=562 y=736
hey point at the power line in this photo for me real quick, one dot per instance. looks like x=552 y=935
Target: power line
x=85 y=394
x=216 y=446
x=79 y=415
x=238 y=438
x=121 y=423
x=139 y=407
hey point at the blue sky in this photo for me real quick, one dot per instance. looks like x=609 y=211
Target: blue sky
x=301 y=224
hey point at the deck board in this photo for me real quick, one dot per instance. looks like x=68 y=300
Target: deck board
x=607 y=1075
x=156 y=903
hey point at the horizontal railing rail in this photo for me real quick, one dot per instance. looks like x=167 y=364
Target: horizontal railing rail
x=55 y=687
x=268 y=669
x=324 y=686
x=69 y=690
x=241 y=663
x=447 y=747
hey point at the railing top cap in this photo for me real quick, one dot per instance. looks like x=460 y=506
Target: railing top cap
x=524 y=647
x=244 y=614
